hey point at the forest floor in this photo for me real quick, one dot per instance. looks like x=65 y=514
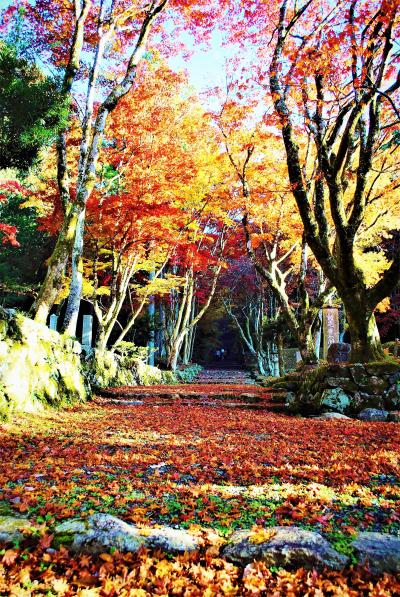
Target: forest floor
x=194 y=465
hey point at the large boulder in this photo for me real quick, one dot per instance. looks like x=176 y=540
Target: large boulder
x=289 y=547
x=339 y=352
x=101 y=532
x=379 y=551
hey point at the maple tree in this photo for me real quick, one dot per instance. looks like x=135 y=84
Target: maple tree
x=272 y=229
x=136 y=217
x=89 y=28
x=251 y=308
x=337 y=66
x=202 y=258
x=147 y=210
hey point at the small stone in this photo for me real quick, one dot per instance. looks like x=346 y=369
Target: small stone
x=379 y=551
x=348 y=385
x=290 y=398
x=374 y=385
x=329 y=416
x=336 y=399
x=361 y=401
x=338 y=352
x=289 y=547
x=358 y=373
x=392 y=396
x=373 y=414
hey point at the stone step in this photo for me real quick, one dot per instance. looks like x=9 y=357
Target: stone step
x=201 y=401
x=224 y=376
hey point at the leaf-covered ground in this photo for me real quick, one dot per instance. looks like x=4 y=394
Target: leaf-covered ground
x=193 y=466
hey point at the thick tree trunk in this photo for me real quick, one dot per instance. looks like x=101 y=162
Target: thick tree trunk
x=365 y=340
x=151 y=311
x=262 y=364
x=56 y=266
x=101 y=339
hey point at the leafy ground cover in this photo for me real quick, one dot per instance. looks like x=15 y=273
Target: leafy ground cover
x=194 y=466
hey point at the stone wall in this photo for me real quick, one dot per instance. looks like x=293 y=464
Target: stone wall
x=348 y=389
x=38 y=366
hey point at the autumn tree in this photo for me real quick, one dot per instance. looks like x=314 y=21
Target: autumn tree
x=272 y=228
x=337 y=67
x=246 y=300
x=112 y=37
x=199 y=264
x=9 y=188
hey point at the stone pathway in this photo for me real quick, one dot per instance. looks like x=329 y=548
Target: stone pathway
x=218 y=388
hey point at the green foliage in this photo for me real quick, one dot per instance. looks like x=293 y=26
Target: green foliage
x=343 y=544
x=131 y=351
x=20 y=267
x=32 y=110
x=187 y=374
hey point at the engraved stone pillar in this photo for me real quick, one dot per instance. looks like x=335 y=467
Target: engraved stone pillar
x=330 y=326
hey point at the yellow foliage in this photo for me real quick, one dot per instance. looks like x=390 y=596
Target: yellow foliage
x=261 y=535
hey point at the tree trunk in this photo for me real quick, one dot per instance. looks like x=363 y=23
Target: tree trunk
x=75 y=291
x=101 y=339
x=262 y=364
x=318 y=335
x=365 y=340
x=174 y=354
x=307 y=347
x=151 y=311
x=56 y=266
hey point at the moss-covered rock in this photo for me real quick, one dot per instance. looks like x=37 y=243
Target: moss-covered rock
x=13 y=529
x=106 y=369
x=148 y=375
x=125 y=367
x=38 y=367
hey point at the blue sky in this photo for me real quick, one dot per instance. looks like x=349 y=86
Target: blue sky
x=206 y=65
